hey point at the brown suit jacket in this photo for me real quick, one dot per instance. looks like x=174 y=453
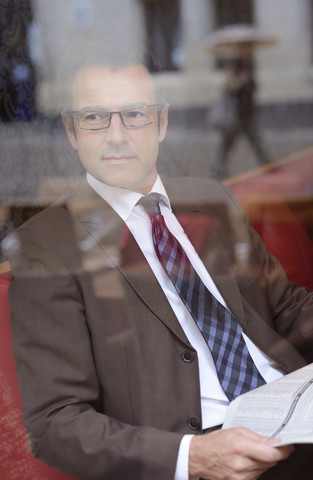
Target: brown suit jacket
x=108 y=390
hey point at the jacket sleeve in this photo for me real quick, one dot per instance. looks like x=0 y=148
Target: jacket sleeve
x=290 y=306
x=267 y=292
x=58 y=377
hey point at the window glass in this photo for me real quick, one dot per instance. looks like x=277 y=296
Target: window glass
x=113 y=302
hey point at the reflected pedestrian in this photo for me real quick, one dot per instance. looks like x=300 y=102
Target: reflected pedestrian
x=240 y=89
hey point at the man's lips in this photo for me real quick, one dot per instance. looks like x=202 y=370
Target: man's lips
x=117 y=159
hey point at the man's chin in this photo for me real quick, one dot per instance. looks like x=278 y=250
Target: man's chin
x=129 y=179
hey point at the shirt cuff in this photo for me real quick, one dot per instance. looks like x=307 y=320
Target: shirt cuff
x=182 y=464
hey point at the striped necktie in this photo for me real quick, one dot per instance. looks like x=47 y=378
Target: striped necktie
x=235 y=368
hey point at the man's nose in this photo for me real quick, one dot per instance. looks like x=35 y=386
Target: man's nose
x=117 y=132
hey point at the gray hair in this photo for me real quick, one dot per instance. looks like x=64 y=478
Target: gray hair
x=116 y=57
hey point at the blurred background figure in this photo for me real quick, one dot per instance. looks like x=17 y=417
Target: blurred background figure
x=163 y=32
x=17 y=73
x=234 y=113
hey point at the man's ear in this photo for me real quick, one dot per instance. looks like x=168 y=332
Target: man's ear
x=70 y=129
x=163 y=121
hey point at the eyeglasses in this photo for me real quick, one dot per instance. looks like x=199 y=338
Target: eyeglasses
x=131 y=117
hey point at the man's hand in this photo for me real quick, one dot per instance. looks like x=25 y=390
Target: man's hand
x=234 y=454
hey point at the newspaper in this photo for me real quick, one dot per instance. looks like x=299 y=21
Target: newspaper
x=281 y=409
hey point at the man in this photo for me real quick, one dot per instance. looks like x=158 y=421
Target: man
x=117 y=380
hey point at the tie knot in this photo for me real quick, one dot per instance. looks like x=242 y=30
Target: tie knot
x=151 y=204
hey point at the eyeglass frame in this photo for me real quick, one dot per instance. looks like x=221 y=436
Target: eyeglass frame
x=159 y=105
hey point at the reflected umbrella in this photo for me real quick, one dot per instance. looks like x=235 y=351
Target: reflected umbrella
x=230 y=39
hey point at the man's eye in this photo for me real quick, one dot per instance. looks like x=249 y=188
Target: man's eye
x=92 y=117
x=135 y=114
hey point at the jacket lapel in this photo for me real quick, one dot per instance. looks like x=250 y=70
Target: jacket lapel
x=105 y=229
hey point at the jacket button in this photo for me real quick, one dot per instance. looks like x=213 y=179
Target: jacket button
x=187 y=356
x=194 y=423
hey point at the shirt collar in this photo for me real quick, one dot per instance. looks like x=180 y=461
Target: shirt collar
x=122 y=200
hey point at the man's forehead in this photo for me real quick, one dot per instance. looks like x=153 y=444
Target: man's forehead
x=103 y=84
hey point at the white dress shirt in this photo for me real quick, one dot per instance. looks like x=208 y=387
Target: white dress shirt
x=214 y=402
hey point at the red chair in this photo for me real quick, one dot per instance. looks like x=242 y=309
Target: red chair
x=16 y=459
x=279 y=203
x=286 y=236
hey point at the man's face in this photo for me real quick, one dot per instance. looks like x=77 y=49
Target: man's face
x=118 y=156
